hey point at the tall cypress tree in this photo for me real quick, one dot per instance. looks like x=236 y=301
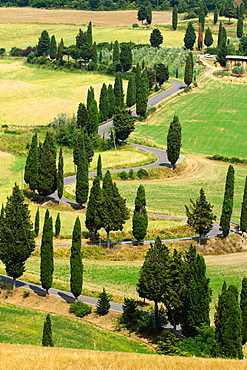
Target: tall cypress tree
x=53 y=48
x=94 y=209
x=16 y=235
x=190 y=37
x=47 y=173
x=60 y=49
x=82 y=186
x=116 y=56
x=142 y=96
x=208 y=39
x=118 y=91
x=94 y=53
x=43 y=43
x=174 y=17
x=243 y=306
x=125 y=57
x=60 y=175
x=99 y=168
x=89 y=37
x=201 y=19
x=32 y=164
x=227 y=206
x=36 y=223
x=140 y=218
x=111 y=101
x=57 y=225
x=47 y=332
x=90 y=96
x=82 y=116
x=149 y=13
x=188 y=71
x=82 y=142
x=216 y=14
x=76 y=265
x=240 y=28
x=138 y=78
x=174 y=141
x=46 y=254
x=243 y=216
x=103 y=103
x=131 y=92
x=93 y=115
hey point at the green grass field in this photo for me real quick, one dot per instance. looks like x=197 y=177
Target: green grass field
x=212 y=118
x=24 y=326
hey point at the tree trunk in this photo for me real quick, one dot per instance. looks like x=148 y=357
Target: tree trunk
x=108 y=244
x=174 y=326
x=156 y=314
x=200 y=239
x=14 y=283
x=94 y=235
x=47 y=292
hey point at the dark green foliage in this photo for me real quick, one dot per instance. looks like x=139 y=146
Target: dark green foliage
x=229 y=10
x=190 y=37
x=46 y=253
x=202 y=345
x=94 y=214
x=170 y=346
x=82 y=142
x=31 y=168
x=125 y=57
x=90 y=96
x=208 y=39
x=129 y=311
x=47 y=332
x=228 y=326
x=16 y=235
x=43 y=44
x=94 y=53
x=216 y=14
x=103 y=304
x=115 y=211
x=99 y=168
x=243 y=306
x=227 y=202
x=142 y=96
x=201 y=19
x=103 y=103
x=53 y=48
x=154 y=275
x=116 y=56
x=141 y=14
x=118 y=91
x=188 y=72
x=111 y=101
x=57 y=225
x=36 y=223
x=151 y=77
x=2 y=214
x=243 y=216
x=123 y=124
x=82 y=116
x=82 y=186
x=162 y=73
x=93 y=120
x=221 y=49
x=47 y=173
x=149 y=13
x=156 y=38
x=89 y=36
x=243 y=45
x=80 y=309
x=76 y=266
x=142 y=173
x=174 y=141
x=81 y=39
x=200 y=215
x=60 y=175
x=174 y=17
x=138 y=77
x=60 y=50
x=140 y=218
x=240 y=28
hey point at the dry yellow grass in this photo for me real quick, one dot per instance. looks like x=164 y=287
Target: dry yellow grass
x=29 y=357
x=77 y=17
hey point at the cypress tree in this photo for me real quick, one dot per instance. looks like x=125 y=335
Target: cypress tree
x=89 y=37
x=90 y=96
x=103 y=103
x=2 y=214
x=190 y=37
x=162 y=73
x=46 y=254
x=140 y=218
x=216 y=14
x=115 y=55
x=94 y=53
x=149 y=13
x=60 y=175
x=57 y=225
x=142 y=97
x=200 y=37
x=94 y=209
x=82 y=142
x=156 y=38
x=208 y=39
x=125 y=57
x=219 y=41
x=240 y=28
x=53 y=48
x=138 y=77
x=188 y=71
x=43 y=44
x=123 y=124
x=111 y=101
x=99 y=168
x=36 y=223
x=115 y=211
x=47 y=332
x=243 y=216
x=174 y=141
x=201 y=19
x=76 y=265
x=131 y=92
x=141 y=14
x=227 y=206
x=32 y=164
x=174 y=17
x=118 y=91
x=81 y=39
x=16 y=235
x=82 y=116
x=60 y=50
x=243 y=306
x=103 y=304
x=82 y=186
x=93 y=115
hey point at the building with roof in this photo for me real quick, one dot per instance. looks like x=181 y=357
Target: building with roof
x=231 y=60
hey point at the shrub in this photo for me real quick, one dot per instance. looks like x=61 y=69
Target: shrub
x=135 y=25
x=129 y=311
x=142 y=173
x=5 y=125
x=92 y=66
x=123 y=175
x=2 y=51
x=131 y=174
x=190 y=15
x=26 y=294
x=80 y=309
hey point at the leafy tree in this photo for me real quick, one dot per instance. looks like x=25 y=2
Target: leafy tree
x=94 y=213
x=200 y=215
x=46 y=254
x=93 y=115
x=140 y=218
x=111 y=101
x=16 y=235
x=149 y=13
x=156 y=38
x=76 y=265
x=115 y=55
x=243 y=216
x=32 y=164
x=53 y=48
x=174 y=17
x=155 y=275
x=90 y=96
x=103 y=103
x=47 y=332
x=99 y=168
x=89 y=36
x=115 y=211
x=228 y=326
x=118 y=91
x=57 y=225
x=174 y=141
x=103 y=304
x=240 y=28
x=82 y=186
x=208 y=39
x=43 y=44
x=125 y=57
x=216 y=14
x=190 y=37
x=188 y=71
x=141 y=14
x=243 y=306
x=60 y=175
x=123 y=124
x=36 y=223
x=142 y=96
x=227 y=202
x=162 y=73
